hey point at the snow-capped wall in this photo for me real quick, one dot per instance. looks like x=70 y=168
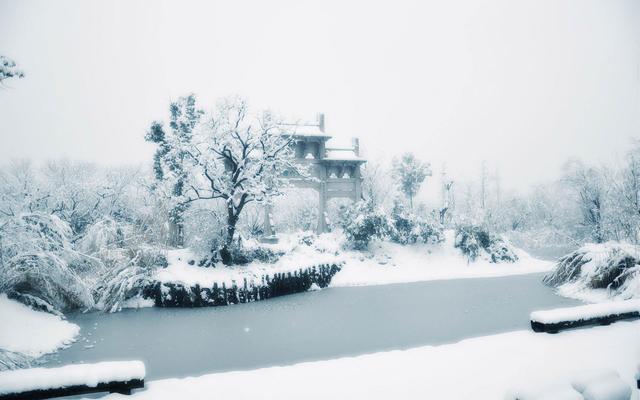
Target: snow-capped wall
x=180 y=294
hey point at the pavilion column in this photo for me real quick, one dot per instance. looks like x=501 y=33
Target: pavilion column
x=267 y=225
x=322 y=208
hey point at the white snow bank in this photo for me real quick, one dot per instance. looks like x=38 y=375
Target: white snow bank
x=91 y=375
x=602 y=384
x=30 y=332
x=478 y=368
x=608 y=389
x=180 y=271
x=384 y=263
x=585 y=312
x=394 y=263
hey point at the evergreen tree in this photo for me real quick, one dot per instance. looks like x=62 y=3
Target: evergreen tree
x=9 y=69
x=410 y=173
x=172 y=160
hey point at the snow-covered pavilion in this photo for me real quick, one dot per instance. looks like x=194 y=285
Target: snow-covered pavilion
x=333 y=171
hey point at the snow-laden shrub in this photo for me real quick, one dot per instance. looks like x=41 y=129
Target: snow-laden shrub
x=476 y=242
x=242 y=255
x=129 y=274
x=126 y=264
x=613 y=266
x=297 y=210
x=408 y=228
x=363 y=222
x=37 y=259
x=104 y=234
x=204 y=230
x=35 y=303
x=13 y=360
x=307 y=239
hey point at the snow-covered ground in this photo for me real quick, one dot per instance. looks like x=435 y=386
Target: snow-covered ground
x=393 y=263
x=486 y=367
x=30 y=332
x=383 y=263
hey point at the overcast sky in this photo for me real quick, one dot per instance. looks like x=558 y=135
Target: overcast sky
x=522 y=84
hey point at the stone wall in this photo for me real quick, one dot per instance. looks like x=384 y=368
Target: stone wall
x=170 y=294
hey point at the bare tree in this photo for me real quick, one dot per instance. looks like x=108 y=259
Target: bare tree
x=590 y=190
x=230 y=155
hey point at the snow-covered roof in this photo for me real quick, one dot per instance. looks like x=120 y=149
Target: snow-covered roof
x=343 y=155
x=309 y=130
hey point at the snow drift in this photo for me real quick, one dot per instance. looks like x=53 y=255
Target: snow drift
x=30 y=333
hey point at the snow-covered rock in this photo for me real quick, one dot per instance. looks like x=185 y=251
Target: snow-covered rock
x=91 y=375
x=32 y=333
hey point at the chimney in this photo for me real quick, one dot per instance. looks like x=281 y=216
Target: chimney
x=355 y=143
x=321 y=122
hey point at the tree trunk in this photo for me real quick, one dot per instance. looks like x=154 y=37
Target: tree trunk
x=232 y=220
x=176 y=227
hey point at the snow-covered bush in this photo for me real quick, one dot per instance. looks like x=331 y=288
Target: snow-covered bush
x=13 y=360
x=204 y=229
x=363 y=222
x=130 y=273
x=37 y=259
x=475 y=241
x=126 y=263
x=296 y=210
x=243 y=255
x=408 y=228
x=613 y=266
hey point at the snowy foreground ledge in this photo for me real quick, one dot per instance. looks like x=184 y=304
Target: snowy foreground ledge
x=591 y=313
x=91 y=375
x=479 y=368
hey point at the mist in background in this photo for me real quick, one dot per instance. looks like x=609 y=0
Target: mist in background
x=522 y=84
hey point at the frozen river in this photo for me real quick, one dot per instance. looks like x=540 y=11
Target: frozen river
x=319 y=325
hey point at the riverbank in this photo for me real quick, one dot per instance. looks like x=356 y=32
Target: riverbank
x=382 y=263
x=483 y=367
x=386 y=263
